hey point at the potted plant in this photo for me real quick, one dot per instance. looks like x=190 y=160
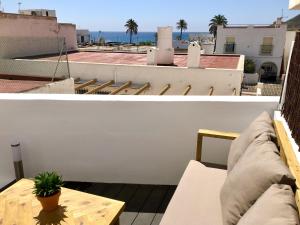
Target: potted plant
x=47 y=188
x=250 y=77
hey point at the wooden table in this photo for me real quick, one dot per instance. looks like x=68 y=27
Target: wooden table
x=18 y=206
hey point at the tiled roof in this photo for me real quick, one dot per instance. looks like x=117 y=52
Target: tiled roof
x=19 y=86
x=207 y=61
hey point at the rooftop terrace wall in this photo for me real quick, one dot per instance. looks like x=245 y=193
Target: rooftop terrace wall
x=131 y=139
x=224 y=81
x=24 y=35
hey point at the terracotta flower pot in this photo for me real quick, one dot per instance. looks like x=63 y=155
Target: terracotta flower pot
x=49 y=203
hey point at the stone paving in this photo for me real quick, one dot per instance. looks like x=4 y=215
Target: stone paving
x=267 y=90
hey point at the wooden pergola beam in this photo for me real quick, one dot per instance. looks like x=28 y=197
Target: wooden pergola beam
x=211 y=91
x=126 y=85
x=187 y=90
x=165 y=89
x=100 y=87
x=145 y=87
x=85 y=84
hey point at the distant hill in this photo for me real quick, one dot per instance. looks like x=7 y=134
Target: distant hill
x=294 y=23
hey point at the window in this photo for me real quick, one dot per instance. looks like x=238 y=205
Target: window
x=230 y=40
x=267 y=46
x=268 y=41
x=229 y=47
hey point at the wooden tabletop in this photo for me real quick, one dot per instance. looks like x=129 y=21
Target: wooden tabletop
x=18 y=206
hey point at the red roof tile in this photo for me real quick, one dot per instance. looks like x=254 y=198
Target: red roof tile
x=18 y=86
x=207 y=61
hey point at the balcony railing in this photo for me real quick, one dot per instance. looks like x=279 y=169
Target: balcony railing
x=229 y=48
x=266 y=49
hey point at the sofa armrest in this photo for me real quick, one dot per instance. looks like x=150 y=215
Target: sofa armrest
x=212 y=134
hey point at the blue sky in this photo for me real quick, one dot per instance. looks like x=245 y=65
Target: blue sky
x=111 y=15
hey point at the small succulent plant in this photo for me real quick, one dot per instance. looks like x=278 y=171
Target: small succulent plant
x=47 y=184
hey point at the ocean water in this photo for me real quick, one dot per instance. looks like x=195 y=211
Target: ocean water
x=140 y=37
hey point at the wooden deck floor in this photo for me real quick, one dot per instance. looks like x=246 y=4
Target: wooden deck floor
x=145 y=204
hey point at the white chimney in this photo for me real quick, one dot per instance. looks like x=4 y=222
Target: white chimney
x=278 y=22
x=165 y=46
x=152 y=56
x=194 y=52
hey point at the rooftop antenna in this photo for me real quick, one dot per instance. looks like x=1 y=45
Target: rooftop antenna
x=1 y=9
x=282 y=14
x=19 y=3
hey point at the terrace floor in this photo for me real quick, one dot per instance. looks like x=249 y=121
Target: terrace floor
x=206 y=61
x=145 y=204
x=267 y=89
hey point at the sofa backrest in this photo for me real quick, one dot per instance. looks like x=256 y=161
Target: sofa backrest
x=288 y=155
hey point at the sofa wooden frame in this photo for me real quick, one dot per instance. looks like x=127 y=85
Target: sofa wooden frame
x=286 y=150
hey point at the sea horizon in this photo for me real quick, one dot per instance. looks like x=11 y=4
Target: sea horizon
x=143 y=36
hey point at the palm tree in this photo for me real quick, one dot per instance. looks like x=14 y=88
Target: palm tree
x=132 y=28
x=181 y=25
x=214 y=23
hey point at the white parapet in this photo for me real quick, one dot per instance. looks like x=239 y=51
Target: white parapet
x=194 y=52
x=165 y=45
x=152 y=56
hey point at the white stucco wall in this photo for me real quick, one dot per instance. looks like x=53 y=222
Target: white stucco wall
x=14 y=25
x=290 y=38
x=23 y=35
x=249 y=39
x=60 y=87
x=68 y=31
x=122 y=139
x=85 y=34
x=223 y=80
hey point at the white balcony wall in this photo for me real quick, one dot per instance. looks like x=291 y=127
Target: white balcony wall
x=60 y=87
x=294 y=4
x=131 y=139
x=290 y=39
x=223 y=80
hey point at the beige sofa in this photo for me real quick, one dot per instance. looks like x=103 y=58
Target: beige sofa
x=197 y=198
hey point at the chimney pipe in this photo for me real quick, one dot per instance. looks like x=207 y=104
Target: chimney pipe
x=194 y=52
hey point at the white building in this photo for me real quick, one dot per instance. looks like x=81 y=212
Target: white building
x=83 y=36
x=263 y=44
x=38 y=12
x=25 y=35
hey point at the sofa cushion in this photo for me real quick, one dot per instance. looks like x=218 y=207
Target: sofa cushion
x=197 y=197
x=276 y=206
x=258 y=169
x=261 y=125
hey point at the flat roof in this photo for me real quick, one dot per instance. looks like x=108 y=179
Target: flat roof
x=19 y=86
x=206 y=61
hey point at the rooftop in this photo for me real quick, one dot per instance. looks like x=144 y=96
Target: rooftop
x=207 y=61
x=19 y=86
x=23 y=83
